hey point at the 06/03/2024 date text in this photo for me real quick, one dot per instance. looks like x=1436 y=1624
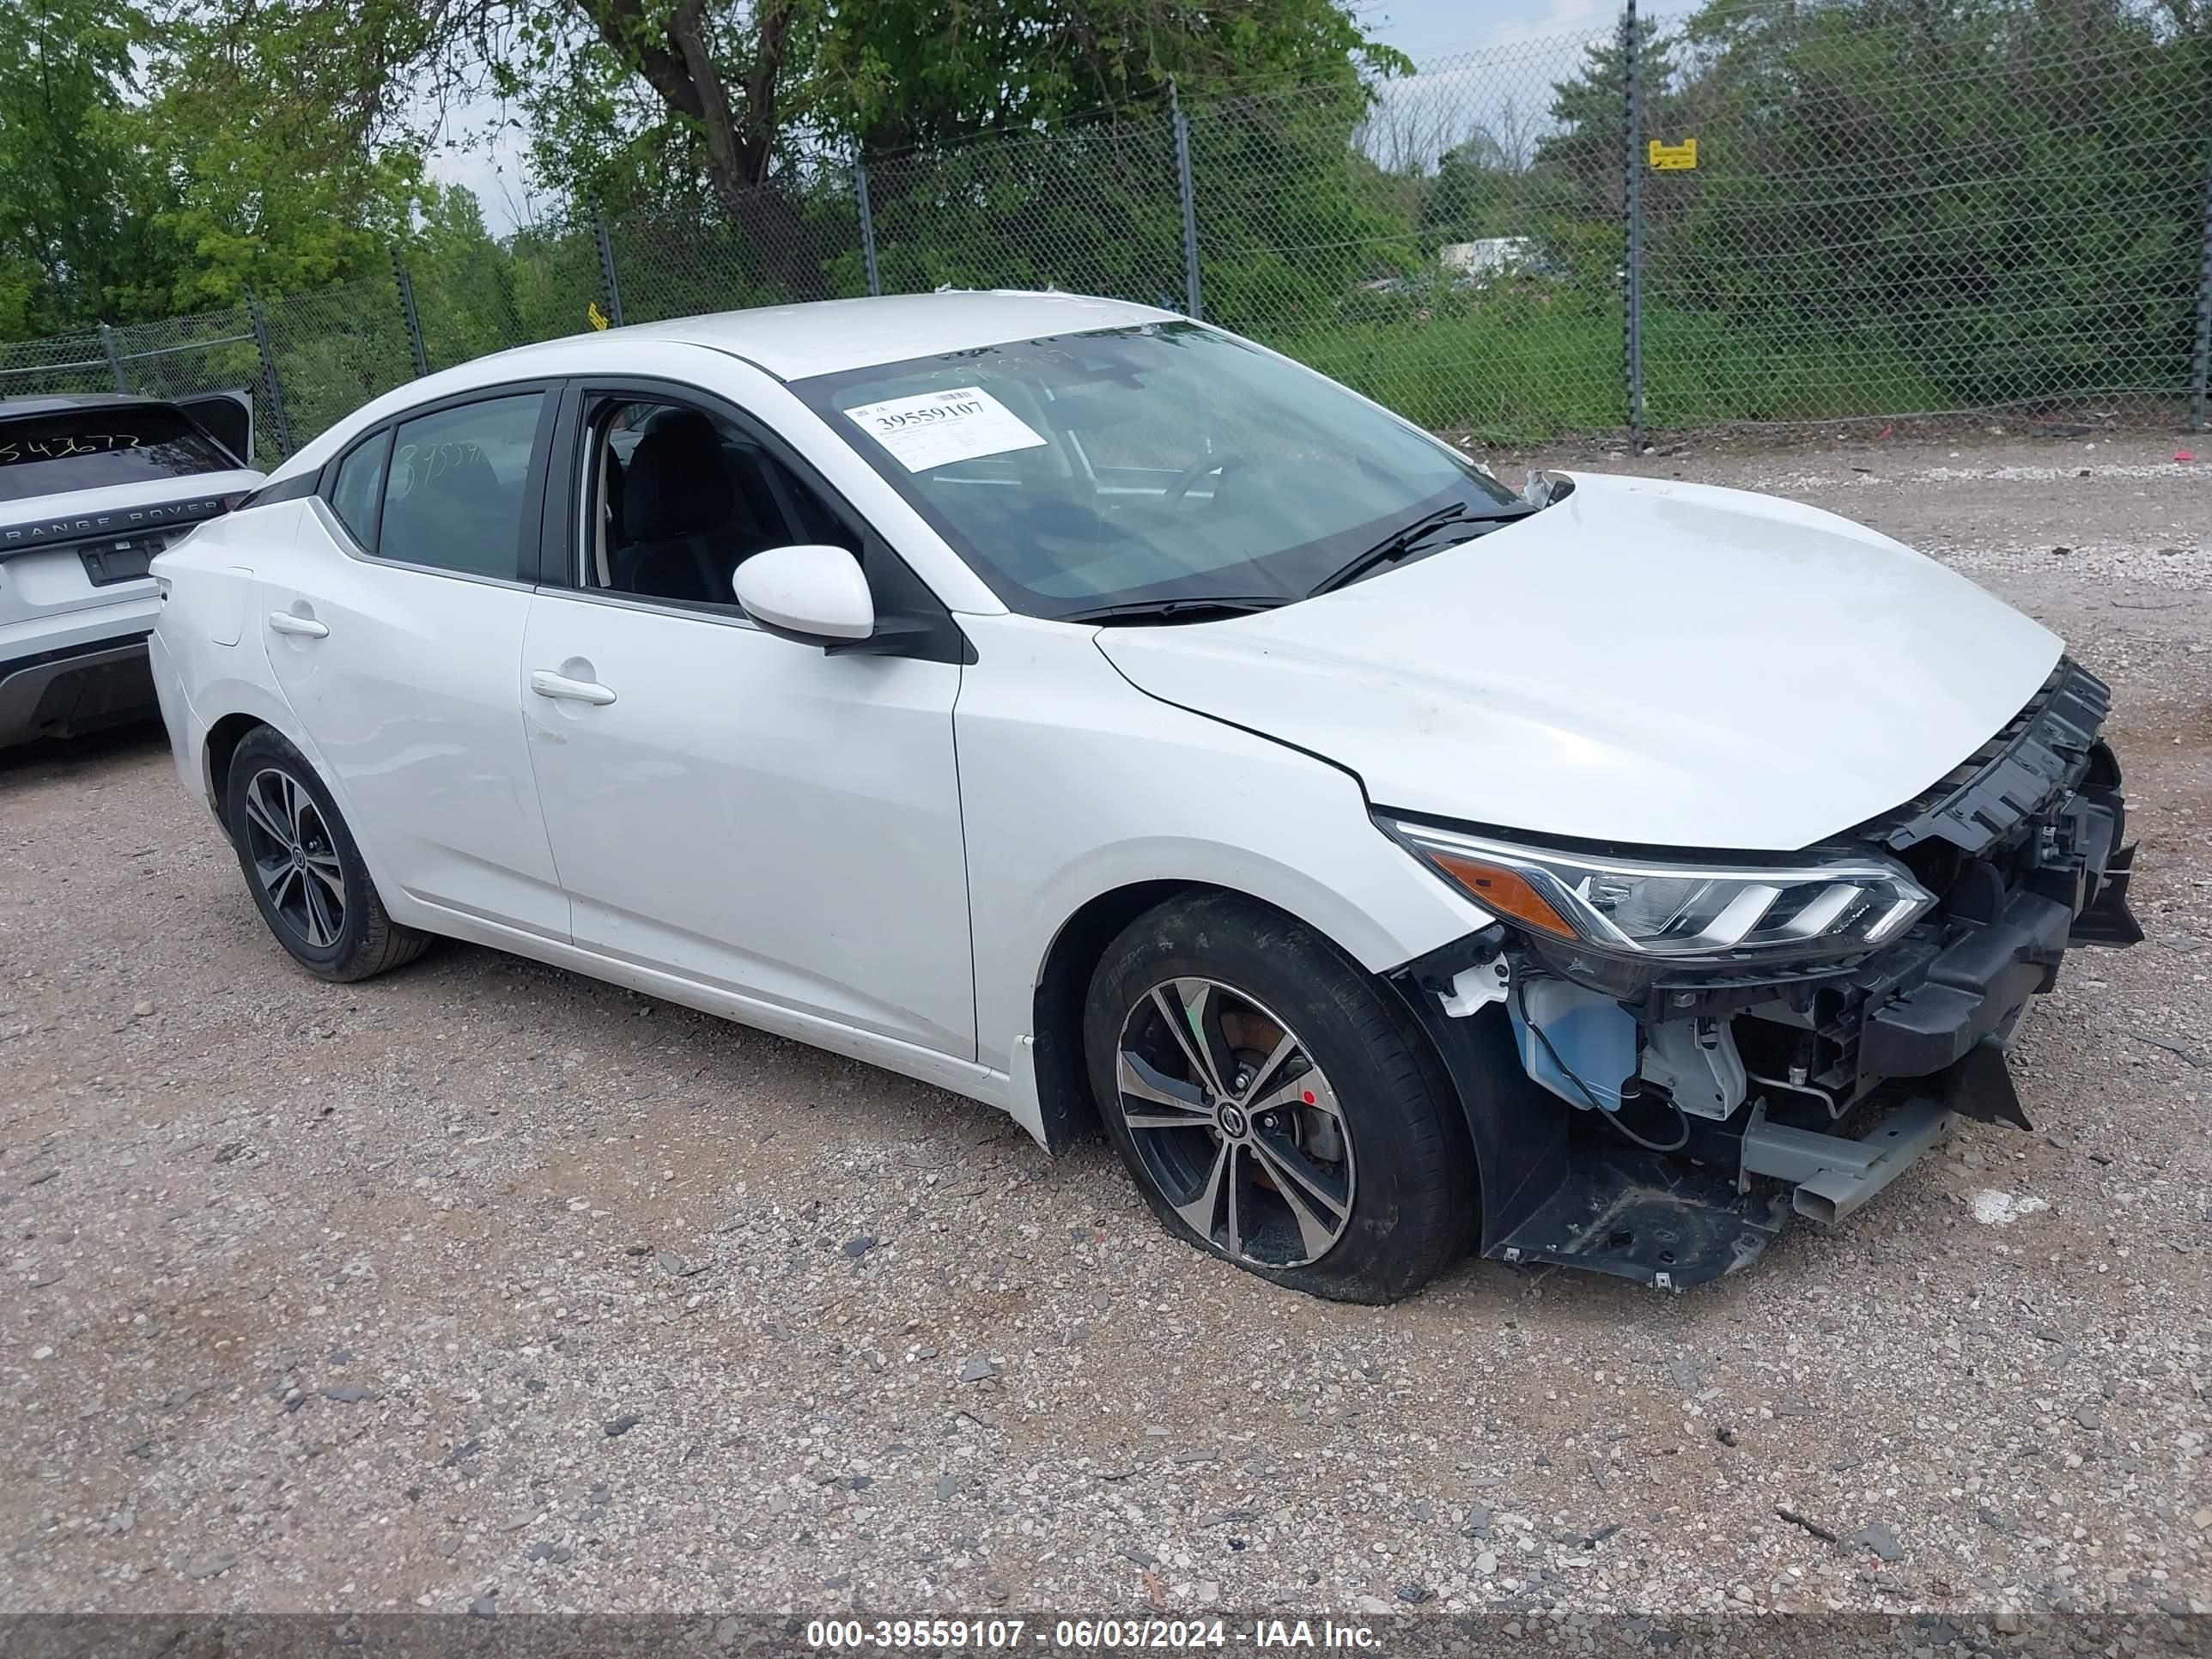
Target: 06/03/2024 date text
x=842 y=1634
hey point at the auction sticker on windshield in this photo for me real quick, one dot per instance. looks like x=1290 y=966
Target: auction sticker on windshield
x=940 y=427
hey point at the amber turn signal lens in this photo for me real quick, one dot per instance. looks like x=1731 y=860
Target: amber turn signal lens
x=1503 y=891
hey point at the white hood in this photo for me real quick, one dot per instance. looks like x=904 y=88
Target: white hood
x=1662 y=664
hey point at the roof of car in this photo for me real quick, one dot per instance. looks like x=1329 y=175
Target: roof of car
x=789 y=341
x=821 y=337
x=54 y=403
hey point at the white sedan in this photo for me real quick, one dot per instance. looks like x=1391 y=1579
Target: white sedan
x=1088 y=711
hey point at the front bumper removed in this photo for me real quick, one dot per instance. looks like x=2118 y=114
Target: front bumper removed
x=1674 y=1224
x=1854 y=1072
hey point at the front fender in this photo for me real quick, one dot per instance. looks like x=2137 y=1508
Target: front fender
x=1075 y=785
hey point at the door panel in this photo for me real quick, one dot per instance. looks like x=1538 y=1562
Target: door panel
x=407 y=681
x=754 y=814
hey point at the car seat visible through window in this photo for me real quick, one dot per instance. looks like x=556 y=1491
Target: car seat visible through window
x=675 y=498
x=689 y=507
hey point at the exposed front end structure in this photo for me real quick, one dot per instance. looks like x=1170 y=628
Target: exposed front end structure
x=1737 y=1038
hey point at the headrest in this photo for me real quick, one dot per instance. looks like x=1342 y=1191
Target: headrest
x=677 y=481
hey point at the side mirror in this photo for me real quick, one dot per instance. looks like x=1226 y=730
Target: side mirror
x=811 y=592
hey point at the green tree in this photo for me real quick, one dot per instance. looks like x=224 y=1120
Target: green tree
x=288 y=161
x=467 y=286
x=1007 y=141
x=1586 y=158
x=1469 y=197
x=78 y=192
x=722 y=99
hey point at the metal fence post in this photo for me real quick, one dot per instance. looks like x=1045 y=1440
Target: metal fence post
x=2203 y=371
x=269 y=381
x=407 y=311
x=1632 y=326
x=115 y=358
x=1192 y=308
x=867 y=227
x=607 y=264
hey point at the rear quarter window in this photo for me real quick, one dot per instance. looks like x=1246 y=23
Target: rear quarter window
x=93 y=448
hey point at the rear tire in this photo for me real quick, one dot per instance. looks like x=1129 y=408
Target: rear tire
x=302 y=868
x=1275 y=1106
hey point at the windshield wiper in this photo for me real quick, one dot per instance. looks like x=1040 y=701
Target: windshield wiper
x=1408 y=538
x=1174 y=610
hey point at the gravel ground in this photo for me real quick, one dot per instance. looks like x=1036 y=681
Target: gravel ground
x=486 y=1286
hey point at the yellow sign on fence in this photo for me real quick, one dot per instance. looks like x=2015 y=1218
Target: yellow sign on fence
x=599 y=318
x=1674 y=158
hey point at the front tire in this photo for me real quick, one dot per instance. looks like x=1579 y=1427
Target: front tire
x=1276 y=1107
x=301 y=867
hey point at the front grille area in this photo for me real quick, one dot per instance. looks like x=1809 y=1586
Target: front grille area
x=2034 y=815
x=2041 y=749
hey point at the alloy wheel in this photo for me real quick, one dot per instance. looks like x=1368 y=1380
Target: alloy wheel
x=295 y=858
x=1235 y=1123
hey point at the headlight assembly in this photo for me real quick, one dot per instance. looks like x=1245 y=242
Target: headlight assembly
x=1664 y=911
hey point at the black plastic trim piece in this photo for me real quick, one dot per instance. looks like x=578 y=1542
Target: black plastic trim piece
x=1519 y=1129
x=91 y=648
x=1639 y=1216
x=1970 y=991
x=2107 y=921
x=910 y=620
x=78 y=690
x=296 y=488
x=2044 y=749
x=547 y=565
x=1980 y=1086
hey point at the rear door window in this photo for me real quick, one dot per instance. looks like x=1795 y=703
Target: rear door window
x=93 y=448
x=454 y=489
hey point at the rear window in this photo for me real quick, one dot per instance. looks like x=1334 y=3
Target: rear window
x=93 y=448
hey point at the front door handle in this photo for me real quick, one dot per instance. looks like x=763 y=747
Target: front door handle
x=283 y=621
x=547 y=684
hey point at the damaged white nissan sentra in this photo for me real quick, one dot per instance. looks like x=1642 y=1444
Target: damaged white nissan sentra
x=1087 y=711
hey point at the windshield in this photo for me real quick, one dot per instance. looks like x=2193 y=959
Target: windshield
x=1147 y=464
x=91 y=448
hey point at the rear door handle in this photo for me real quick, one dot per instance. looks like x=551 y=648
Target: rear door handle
x=283 y=621
x=547 y=684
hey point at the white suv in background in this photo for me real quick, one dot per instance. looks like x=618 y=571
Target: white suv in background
x=93 y=486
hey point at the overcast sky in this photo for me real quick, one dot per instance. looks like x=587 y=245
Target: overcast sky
x=1425 y=30
x=1428 y=29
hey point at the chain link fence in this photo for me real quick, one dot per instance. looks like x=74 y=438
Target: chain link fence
x=1890 y=217
x=1458 y=256
x=1782 y=210
x=64 y=363
x=1095 y=210
x=783 y=246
